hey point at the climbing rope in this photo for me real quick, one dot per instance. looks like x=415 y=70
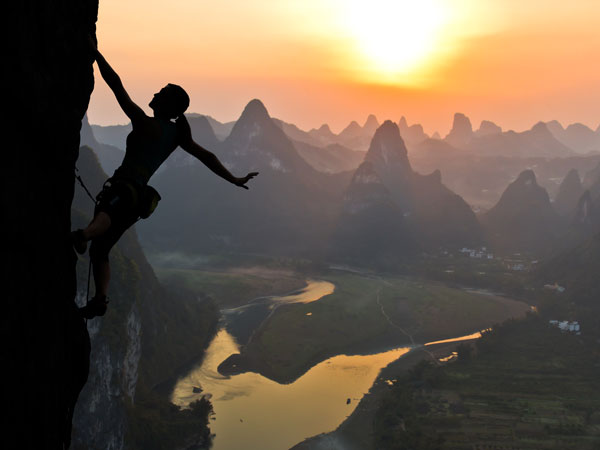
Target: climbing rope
x=78 y=178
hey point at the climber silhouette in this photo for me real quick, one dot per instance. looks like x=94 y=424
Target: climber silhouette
x=126 y=196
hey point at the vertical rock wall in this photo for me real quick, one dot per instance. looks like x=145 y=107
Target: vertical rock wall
x=45 y=344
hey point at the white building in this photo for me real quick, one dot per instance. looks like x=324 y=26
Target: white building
x=565 y=325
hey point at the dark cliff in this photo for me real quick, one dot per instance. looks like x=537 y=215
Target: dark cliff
x=50 y=80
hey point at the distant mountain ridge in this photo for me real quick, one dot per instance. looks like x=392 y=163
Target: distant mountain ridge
x=537 y=142
x=576 y=136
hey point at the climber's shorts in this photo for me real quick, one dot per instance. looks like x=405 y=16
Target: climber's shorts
x=118 y=199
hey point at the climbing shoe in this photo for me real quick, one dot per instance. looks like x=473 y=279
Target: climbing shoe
x=95 y=307
x=79 y=242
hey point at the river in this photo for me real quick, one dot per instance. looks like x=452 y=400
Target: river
x=252 y=411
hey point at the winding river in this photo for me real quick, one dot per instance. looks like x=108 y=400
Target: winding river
x=252 y=411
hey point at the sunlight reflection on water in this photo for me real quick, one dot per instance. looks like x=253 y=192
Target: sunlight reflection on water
x=252 y=411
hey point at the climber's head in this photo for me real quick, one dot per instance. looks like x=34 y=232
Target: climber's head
x=171 y=101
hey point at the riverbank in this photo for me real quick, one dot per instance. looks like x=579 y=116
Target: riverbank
x=527 y=385
x=356 y=432
x=365 y=315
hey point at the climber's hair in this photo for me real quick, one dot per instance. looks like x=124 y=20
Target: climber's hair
x=180 y=100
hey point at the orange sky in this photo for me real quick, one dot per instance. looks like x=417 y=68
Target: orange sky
x=316 y=61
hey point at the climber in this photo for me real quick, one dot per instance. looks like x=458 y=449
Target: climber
x=126 y=196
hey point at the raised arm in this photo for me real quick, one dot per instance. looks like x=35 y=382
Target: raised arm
x=207 y=158
x=133 y=111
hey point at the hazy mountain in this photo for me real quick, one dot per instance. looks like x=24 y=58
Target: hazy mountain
x=298 y=135
x=114 y=135
x=202 y=133
x=462 y=131
x=432 y=214
x=257 y=142
x=220 y=129
x=352 y=130
x=110 y=157
x=356 y=137
x=413 y=134
x=523 y=219
x=592 y=181
x=569 y=193
x=555 y=128
x=371 y=125
x=288 y=209
x=323 y=134
x=332 y=158
x=537 y=142
x=436 y=135
x=587 y=213
x=389 y=157
x=371 y=225
x=576 y=136
x=486 y=128
x=434 y=151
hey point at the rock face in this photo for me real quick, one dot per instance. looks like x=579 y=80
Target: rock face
x=50 y=80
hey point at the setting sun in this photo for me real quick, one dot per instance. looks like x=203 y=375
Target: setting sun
x=395 y=37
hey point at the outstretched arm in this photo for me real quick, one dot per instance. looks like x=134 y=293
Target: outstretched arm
x=209 y=159
x=133 y=111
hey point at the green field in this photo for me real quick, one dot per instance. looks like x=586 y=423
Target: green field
x=232 y=287
x=529 y=387
x=367 y=314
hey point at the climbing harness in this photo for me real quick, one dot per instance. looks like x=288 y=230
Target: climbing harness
x=145 y=199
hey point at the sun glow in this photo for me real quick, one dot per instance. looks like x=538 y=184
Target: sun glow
x=395 y=37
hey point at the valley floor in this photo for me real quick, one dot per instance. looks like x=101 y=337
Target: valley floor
x=528 y=387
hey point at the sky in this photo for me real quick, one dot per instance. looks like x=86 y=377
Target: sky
x=311 y=62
